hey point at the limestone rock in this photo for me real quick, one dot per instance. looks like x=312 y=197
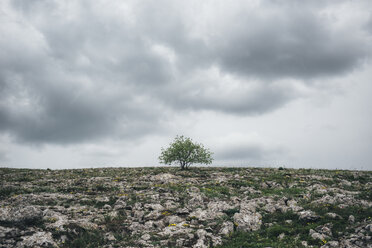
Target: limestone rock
x=38 y=239
x=227 y=228
x=308 y=216
x=248 y=221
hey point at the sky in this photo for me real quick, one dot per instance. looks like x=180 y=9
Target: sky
x=87 y=84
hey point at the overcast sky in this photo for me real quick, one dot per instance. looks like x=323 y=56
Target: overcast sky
x=261 y=83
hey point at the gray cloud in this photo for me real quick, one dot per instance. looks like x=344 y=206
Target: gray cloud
x=3 y=156
x=297 y=46
x=76 y=71
x=247 y=152
x=251 y=101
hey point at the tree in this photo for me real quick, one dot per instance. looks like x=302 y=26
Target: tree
x=184 y=151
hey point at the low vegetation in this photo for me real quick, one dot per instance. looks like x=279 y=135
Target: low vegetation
x=199 y=207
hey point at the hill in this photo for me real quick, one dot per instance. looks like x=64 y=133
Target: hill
x=200 y=207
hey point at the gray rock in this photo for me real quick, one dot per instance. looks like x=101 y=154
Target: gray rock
x=308 y=216
x=292 y=204
x=155 y=206
x=227 y=228
x=174 y=219
x=319 y=236
x=351 y=219
x=20 y=214
x=333 y=244
x=9 y=232
x=333 y=215
x=248 y=221
x=304 y=243
x=138 y=214
x=107 y=207
x=169 y=204
x=196 y=199
x=250 y=206
x=180 y=242
x=38 y=239
x=325 y=229
x=146 y=237
x=219 y=206
x=201 y=242
x=182 y=211
x=110 y=237
x=164 y=177
x=120 y=204
x=201 y=214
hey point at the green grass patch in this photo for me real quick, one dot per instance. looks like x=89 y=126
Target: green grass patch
x=78 y=237
x=216 y=191
x=284 y=192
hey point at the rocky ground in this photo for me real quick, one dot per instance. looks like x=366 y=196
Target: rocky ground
x=201 y=207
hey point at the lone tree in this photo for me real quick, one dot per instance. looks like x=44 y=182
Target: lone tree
x=184 y=151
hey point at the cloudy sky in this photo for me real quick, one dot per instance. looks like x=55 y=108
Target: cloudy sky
x=261 y=83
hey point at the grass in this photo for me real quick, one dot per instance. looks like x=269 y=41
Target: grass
x=215 y=191
x=289 y=192
x=78 y=237
x=23 y=224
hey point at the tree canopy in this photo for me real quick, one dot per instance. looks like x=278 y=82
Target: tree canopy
x=184 y=151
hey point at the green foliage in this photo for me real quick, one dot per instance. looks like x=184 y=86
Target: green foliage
x=184 y=151
x=7 y=192
x=231 y=212
x=81 y=237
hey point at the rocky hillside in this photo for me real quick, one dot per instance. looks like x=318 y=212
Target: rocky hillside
x=201 y=207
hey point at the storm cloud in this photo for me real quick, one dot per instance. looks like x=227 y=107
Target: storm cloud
x=75 y=72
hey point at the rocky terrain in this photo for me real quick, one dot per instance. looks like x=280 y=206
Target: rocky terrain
x=200 y=207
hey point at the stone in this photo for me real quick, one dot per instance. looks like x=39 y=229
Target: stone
x=248 y=221
x=351 y=219
x=333 y=215
x=120 y=204
x=164 y=177
x=38 y=239
x=21 y=214
x=201 y=242
x=219 y=206
x=180 y=242
x=319 y=236
x=174 y=219
x=201 y=214
x=146 y=237
x=110 y=237
x=155 y=206
x=368 y=228
x=227 y=228
x=308 y=216
x=107 y=207
x=333 y=244
x=304 y=243
x=248 y=207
